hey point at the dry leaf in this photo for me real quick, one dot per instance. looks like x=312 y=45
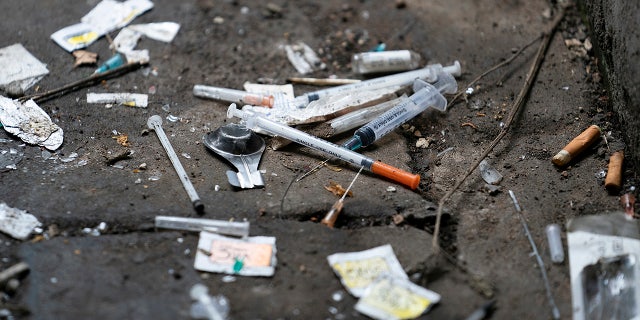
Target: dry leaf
x=337 y=189
x=84 y=57
x=333 y=168
x=397 y=219
x=122 y=139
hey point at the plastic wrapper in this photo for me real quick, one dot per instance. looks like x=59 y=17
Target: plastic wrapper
x=390 y=298
x=357 y=270
x=253 y=256
x=603 y=255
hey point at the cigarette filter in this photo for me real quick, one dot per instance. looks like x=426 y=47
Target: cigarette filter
x=577 y=145
x=613 y=181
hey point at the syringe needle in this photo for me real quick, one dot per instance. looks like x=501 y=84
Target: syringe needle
x=314 y=169
x=155 y=122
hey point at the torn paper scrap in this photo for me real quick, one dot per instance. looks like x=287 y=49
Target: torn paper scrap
x=253 y=256
x=357 y=270
x=137 y=56
x=392 y=298
x=17 y=223
x=127 y=99
x=107 y=16
x=126 y=40
x=19 y=70
x=30 y=123
x=110 y=15
x=160 y=31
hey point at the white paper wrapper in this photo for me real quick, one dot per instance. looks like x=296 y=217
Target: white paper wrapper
x=216 y=253
x=391 y=298
x=19 y=70
x=357 y=270
x=128 y=99
x=30 y=123
x=160 y=31
x=107 y=16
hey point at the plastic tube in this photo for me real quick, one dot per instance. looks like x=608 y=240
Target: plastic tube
x=428 y=73
x=362 y=116
x=240 y=229
x=426 y=95
x=256 y=121
x=232 y=95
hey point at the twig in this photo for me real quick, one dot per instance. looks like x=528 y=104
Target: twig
x=552 y=303
x=492 y=69
x=517 y=104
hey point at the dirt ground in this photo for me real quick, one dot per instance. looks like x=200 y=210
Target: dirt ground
x=134 y=271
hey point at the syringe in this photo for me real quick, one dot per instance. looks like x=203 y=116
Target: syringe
x=428 y=73
x=426 y=95
x=231 y=95
x=256 y=121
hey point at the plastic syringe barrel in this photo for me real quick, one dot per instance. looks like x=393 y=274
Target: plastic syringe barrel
x=426 y=95
x=232 y=95
x=428 y=73
x=254 y=120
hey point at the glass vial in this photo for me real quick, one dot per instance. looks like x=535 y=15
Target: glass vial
x=555 y=243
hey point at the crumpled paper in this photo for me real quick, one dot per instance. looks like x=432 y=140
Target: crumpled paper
x=30 y=123
x=17 y=223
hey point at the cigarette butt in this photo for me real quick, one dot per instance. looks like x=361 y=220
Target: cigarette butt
x=613 y=181
x=577 y=145
x=330 y=219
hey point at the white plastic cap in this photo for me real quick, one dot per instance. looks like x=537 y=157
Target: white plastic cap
x=454 y=70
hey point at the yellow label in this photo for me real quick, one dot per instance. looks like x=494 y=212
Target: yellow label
x=83 y=38
x=395 y=300
x=360 y=273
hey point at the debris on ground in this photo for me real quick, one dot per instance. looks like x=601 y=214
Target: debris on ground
x=30 y=123
x=229 y=228
x=252 y=256
x=206 y=306
x=604 y=267
x=358 y=270
x=17 y=223
x=395 y=298
x=489 y=174
x=303 y=58
x=19 y=70
x=122 y=98
x=385 y=61
x=11 y=153
x=84 y=57
x=105 y=17
x=243 y=148
x=577 y=146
